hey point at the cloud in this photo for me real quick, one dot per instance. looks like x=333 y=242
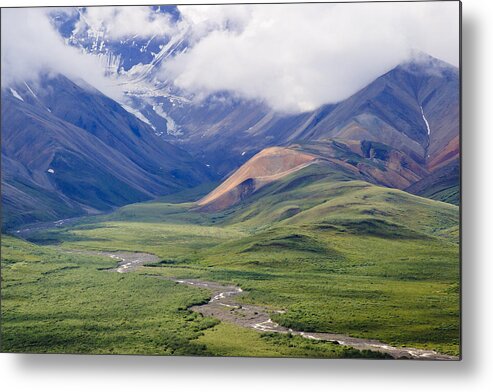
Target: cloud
x=204 y=19
x=31 y=45
x=293 y=57
x=297 y=57
x=124 y=22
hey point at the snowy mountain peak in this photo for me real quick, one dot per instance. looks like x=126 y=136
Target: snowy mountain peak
x=421 y=62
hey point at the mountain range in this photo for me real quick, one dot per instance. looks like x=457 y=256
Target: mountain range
x=68 y=150
x=400 y=108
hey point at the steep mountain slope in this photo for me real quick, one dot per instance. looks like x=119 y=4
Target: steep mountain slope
x=442 y=184
x=414 y=108
x=67 y=148
x=448 y=154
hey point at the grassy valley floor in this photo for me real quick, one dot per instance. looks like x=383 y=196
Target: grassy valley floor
x=336 y=256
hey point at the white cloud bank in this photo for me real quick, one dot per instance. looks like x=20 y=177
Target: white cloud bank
x=297 y=57
x=293 y=57
x=30 y=46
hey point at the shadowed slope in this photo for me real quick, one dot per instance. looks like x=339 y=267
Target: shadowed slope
x=68 y=149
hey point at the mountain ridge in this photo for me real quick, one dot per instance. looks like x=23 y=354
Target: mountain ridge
x=84 y=150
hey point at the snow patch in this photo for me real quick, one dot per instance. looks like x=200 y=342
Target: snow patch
x=425 y=120
x=16 y=94
x=171 y=127
x=31 y=91
x=139 y=115
x=136 y=70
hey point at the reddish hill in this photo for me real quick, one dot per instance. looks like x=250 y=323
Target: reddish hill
x=268 y=165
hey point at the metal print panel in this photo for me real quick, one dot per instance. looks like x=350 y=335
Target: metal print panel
x=266 y=180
